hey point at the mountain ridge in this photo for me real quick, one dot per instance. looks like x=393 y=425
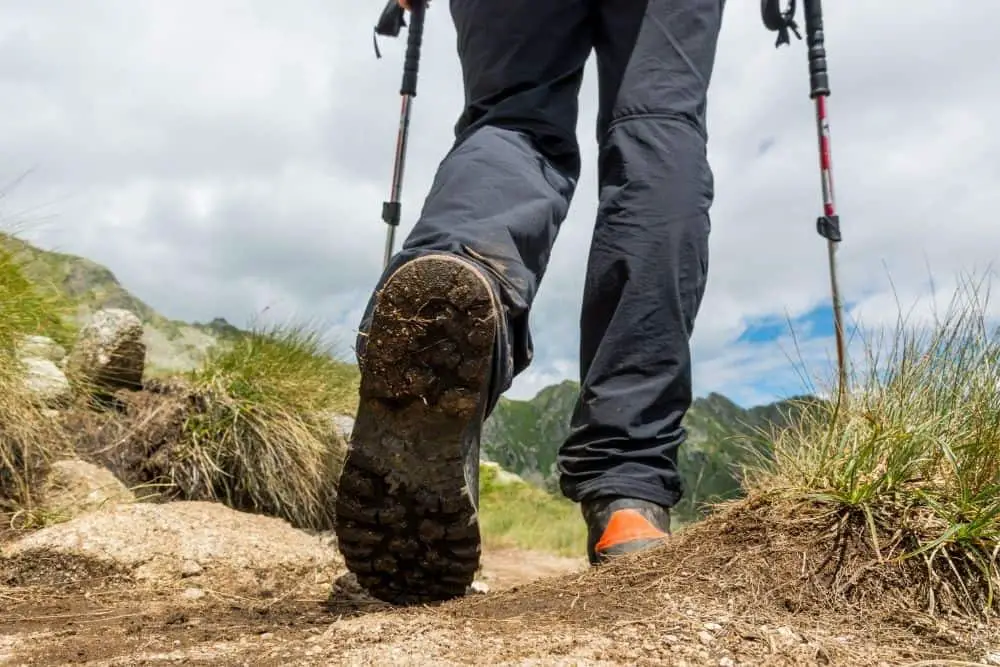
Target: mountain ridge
x=524 y=436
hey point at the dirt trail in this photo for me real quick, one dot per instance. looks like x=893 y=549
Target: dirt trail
x=195 y=583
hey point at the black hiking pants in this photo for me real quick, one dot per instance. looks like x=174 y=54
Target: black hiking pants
x=501 y=193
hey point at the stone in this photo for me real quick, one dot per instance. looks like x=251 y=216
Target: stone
x=479 y=587
x=238 y=551
x=344 y=425
x=109 y=354
x=75 y=487
x=41 y=347
x=48 y=384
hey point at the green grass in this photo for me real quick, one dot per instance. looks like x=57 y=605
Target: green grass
x=517 y=514
x=260 y=435
x=27 y=439
x=912 y=463
x=30 y=308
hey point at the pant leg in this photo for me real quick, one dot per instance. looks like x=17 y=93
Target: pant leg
x=649 y=256
x=500 y=195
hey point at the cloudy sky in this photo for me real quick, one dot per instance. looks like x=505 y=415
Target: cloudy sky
x=231 y=156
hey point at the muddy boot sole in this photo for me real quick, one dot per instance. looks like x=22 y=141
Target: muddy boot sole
x=407 y=521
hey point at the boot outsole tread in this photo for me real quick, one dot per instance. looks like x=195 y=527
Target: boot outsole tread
x=407 y=521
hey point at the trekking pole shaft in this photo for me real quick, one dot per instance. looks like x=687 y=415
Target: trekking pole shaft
x=392 y=209
x=828 y=225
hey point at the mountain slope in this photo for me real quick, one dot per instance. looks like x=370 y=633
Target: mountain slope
x=171 y=345
x=524 y=437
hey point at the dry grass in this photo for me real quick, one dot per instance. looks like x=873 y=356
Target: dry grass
x=28 y=440
x=256 y=428
x=908 y=474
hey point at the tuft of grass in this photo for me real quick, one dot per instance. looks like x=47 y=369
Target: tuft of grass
x=909 y=469
x=28 y=440
x=514 y=513
x=30 y=308
x=261 y=436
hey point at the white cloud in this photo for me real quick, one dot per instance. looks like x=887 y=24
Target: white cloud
x=228 y=157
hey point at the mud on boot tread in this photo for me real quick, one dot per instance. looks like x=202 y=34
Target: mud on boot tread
x=407 y=522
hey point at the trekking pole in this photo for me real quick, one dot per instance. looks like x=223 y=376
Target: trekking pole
x=389 y=24
x=828 y=224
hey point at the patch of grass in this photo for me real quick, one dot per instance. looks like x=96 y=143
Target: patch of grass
x=28 y=443
x=260 y=436
x=27 y=439
x=30 y=308
x=514 y=513
x=907 y=475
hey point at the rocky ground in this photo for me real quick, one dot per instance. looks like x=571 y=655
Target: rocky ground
x=199 y=583
x=114 y=579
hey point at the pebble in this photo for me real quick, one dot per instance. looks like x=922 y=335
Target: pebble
x=193 y=594
x=705 y=637
x=726 y=662
x=714 y=627
x=190 y=568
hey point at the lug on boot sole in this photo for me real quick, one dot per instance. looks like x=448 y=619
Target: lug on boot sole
x=407 y=522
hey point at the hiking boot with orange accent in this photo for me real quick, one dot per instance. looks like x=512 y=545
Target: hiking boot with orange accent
x=618 y=526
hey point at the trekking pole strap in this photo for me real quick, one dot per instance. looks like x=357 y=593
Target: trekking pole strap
x=779 y=21
x=390 y=22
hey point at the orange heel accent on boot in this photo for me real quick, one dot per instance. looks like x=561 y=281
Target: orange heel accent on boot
x=627 y=525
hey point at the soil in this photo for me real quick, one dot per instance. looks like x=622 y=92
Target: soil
x=698 y=601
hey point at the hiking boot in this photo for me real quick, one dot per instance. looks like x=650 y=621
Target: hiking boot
x=408 y=498
x=618 y=526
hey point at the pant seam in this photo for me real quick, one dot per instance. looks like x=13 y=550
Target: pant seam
x=655 y=115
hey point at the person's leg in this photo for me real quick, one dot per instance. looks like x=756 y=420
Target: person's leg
x=446 y=329
x=648 y=260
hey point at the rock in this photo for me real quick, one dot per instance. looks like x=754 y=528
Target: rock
x=46 y=382
x=109 y=353
x=992 y=658
x=347 y=589
x=503 y=477
x=193 y=594
x=241 y=552
x=479 y=587
x=190 y=568
x=41 y=347
x=344 y=425
x=705 y=637
x=75 y=487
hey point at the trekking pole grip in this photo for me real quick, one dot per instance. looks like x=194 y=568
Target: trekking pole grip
x=818 y=80
x=414 y=39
